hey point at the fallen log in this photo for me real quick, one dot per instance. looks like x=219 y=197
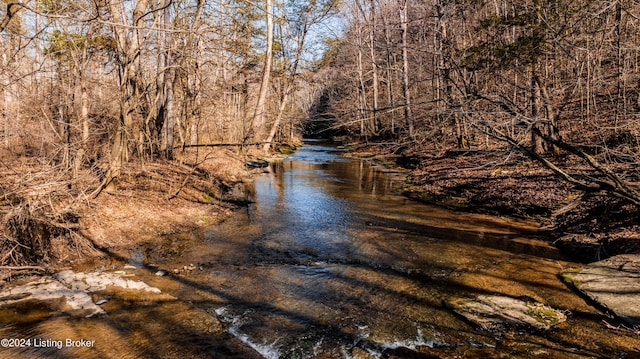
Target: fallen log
x=222 y=145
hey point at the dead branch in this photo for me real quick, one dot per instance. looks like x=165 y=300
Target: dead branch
x=614 y=185
x=184 y=183
x=499 y=135
x=222 y=145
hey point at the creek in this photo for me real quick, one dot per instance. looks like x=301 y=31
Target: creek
x=328 y=261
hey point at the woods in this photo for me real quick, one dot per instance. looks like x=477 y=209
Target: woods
x=96 y=96
x=116 y=81
x=93 y=90
x=554 y=80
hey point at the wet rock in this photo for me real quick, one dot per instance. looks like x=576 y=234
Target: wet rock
x=96 y=281
x=613 y=284
x=76 y=289
x=47 y=289
x=100 y=299
x=497 y=313
x=259 y=163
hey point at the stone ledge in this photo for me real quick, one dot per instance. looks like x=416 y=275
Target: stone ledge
x=613 y=284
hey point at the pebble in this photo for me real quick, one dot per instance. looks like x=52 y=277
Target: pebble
x=161 y=273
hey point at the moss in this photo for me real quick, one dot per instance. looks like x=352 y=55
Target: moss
x=568 y=277
x=209 y=197
x=287 y=150
x=544 y=314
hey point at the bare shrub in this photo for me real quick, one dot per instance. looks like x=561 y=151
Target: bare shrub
x=34 y=237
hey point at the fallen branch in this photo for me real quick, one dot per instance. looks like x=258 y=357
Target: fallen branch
x=611 y=182
x=222 y=145
x=499 y=135
x=184 y=183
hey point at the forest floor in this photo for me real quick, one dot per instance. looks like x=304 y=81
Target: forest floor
x=507 y=183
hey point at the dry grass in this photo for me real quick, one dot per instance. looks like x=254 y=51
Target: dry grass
x=155 y=199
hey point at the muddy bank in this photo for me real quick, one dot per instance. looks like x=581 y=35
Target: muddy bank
x=64 y=226
x=507 y=183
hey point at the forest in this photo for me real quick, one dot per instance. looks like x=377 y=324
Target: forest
x=527 y=108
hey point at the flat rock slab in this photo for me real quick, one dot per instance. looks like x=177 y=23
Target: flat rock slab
x=74 y=287
x=613 y=283
x=496 y=313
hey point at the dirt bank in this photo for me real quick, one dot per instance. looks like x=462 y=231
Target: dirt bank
x=507 y=183
x=153 y=199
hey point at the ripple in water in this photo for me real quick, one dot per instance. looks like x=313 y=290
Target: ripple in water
x=268 y=351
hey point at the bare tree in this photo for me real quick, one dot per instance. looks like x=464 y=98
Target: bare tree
x=408 y=118
x=260 y=109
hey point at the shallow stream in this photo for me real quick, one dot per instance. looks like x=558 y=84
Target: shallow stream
x=329 y=262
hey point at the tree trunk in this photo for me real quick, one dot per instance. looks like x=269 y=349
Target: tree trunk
x=259 y=113
x=621 y=100
x=389 y=72
x=289 y=81
x=362 y=91
x=84 y=120
x=4 y=116
x=169 y=124
x=537 y=144
x=128 y=51
x=197 y=82
x=375 y=125
x=405 y=68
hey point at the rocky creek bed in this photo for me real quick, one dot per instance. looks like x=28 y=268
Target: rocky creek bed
x=87 y=293
x=600 y=231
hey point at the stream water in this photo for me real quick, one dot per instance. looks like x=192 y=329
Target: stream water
x=328 y=262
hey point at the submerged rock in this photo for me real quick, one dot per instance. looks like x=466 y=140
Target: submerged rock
x=498 y=313
x=613 y=284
